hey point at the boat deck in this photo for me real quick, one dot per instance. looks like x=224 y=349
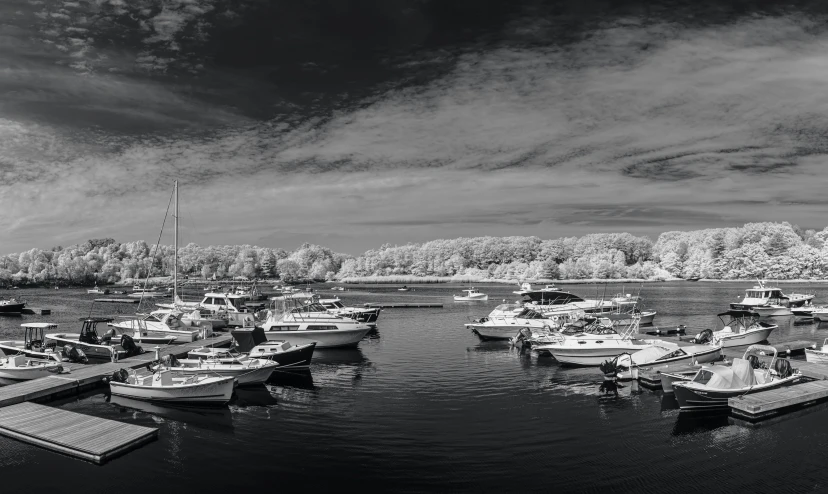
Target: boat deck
x=90 y=438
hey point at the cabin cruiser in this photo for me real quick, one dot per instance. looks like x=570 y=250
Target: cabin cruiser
x=252 y=343
x=248 y=371
x=235 y=307
x=770 y=301
x=11 y=306
x=712 y=386
x=165 y=322
x=312 y=322
x=554 y=301
x=335 y=306
x=472 y=294
x=507 y=325
x=740 y=329
x=94 y=346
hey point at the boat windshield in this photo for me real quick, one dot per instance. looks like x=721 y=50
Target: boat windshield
x=310 y=308
x=530 y=314
x=703 y=376
x=548 y=297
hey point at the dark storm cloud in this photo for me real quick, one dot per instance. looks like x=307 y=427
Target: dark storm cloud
x=330 y=119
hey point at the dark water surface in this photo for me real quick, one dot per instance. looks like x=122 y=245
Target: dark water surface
x=424 y=406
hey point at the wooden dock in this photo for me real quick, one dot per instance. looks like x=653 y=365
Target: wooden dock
x=118 y=300
x=90 y=438
x=410 y=305
x=758 y=406
x=36 y=311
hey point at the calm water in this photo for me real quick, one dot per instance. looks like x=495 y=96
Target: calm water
x=425 y=406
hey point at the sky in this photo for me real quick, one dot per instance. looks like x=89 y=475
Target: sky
x=352 y=124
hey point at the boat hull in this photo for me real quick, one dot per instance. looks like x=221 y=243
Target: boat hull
x=589 y=357
x=820 y=316
x=772 y=311
x=667 y=380
x=296 y=357
x=27 y=373
x=333 y=338
x=742 y=339
x=458 y=298
x=213 y=393
x=14 y=308
x=157 y=330
x=690 y=399
x=245 y=376
x=710 y=354
x=816 y=356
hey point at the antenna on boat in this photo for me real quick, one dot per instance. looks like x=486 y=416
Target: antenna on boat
x=175 y=247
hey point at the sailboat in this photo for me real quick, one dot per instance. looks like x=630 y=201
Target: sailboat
x=169 y=323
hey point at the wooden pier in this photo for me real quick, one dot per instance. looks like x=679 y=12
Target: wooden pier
x=765 y=404
x=118 y=300
x=90 y=438
x=57 y=435
x=36 y=311
x=410 y=305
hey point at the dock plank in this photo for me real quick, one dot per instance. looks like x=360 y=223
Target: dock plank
x=90 y=438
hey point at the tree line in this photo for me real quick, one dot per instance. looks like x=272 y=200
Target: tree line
x=770 y=250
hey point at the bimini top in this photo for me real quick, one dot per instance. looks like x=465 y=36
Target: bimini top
x=43 y=325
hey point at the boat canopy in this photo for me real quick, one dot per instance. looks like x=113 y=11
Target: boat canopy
x=96 y=320
x=655 y=352
x=721 y=377
x=38 y=325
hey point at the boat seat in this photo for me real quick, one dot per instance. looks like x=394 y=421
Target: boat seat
x=760 y=376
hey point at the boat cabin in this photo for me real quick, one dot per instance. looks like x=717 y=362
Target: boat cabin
x=230 y=302
x=332 y=303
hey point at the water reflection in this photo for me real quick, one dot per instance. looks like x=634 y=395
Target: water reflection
x=212 y=418
x=699 y=422
x=669 y=402
x=293 y=379
x=253 y=396
x=341 y=365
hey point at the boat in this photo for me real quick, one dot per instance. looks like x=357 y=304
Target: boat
x=712 y=386
x=818 y=356
x=472 y=294
x=587 y=350
x=246 y=372
x=669 y=377
x=22 y=368
x=661 y=352
x=624 y=306
x=98 y=291
x=361 y=314
x=254 y=343
x=34 y=345
x=403 y=289
x=164 y=323
x=94 y=346
x=338 y=288
x=742 y=328
x=554 y=301
x=820 y=314
x=299 y=324
x=503 y=323
x=770 y=301
x=11 y=306
x=161 y=386
x=230 y=305
x=806 y=311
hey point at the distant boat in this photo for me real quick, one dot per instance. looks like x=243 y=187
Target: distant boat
x=403 y=289
x=692 y=279
x=11 y=306
x=97 y=290
x=472 y=294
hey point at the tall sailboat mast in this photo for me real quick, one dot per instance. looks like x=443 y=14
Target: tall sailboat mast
x=175 y=248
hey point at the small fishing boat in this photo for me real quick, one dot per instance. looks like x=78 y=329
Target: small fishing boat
x=98 y=291
x=806 y=311
x=741 y=329
x=403 y=289
x=246 y=372
x=94 y=346
x=772 y=299
x=712 y=386
x=772 y=310
x=161 y=386
x=472 y=294
x=21 y=368
x=818 y=356
x=11 y=306
x=253 y=343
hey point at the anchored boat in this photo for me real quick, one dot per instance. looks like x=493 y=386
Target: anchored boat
x=311 y=323
x=471 y=295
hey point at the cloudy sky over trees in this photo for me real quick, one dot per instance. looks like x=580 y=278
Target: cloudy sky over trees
x=355 y=123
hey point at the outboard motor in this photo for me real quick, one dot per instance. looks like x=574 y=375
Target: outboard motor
x=705 y=336
x=783 y=368
x=119 y=376
x=128 y=344
x=75 y=354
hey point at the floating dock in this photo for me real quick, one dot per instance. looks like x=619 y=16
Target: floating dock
x=118 y=300
x=410 y=305
x=57 y=436
x=765 y=404
x=90 y=438
x=36 y=311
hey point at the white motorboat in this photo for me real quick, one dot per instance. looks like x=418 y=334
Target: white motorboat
x=712 y=386
x=94 y=346
x=471 y=295
x=338 y=288
x=403 y=289
x=161 y=386
x=361 y=314
x=97 y=290
x=164 y=323
x=663 y=352
x=771 y=300
x=623 y=308
x=21 y=368
x=507 y=325
x=246 y=372
x=742 y=329
x=311 y=323
x=806 y=311
x=34 y=345
x=819 y=356
x=820 y=314
x=586 y=350
x=230 y=305
x=553 y=301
